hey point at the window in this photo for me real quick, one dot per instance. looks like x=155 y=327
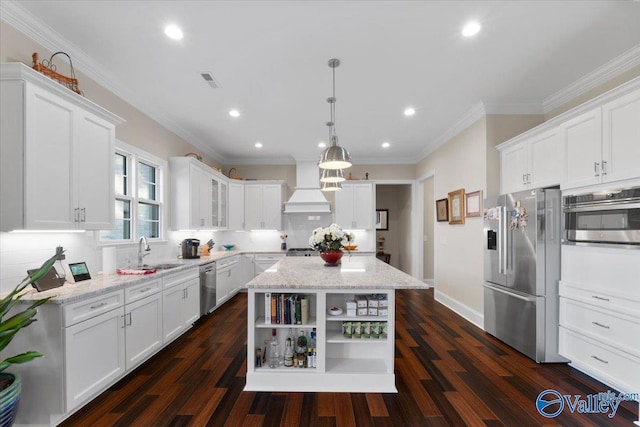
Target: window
x=138 y=190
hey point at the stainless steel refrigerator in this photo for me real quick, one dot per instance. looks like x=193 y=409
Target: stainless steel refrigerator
x=522 y=270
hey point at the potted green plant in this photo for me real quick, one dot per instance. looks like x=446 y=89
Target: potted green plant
x=10 y=325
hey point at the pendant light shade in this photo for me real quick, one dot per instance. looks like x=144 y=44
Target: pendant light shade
x=330 y=186
x=334 y=156
x=332 y=175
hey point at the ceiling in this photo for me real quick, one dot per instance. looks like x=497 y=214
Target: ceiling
x=270 y=58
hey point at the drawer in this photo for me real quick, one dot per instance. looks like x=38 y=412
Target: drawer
x=91 y=307
x=617 y=329
x=172 y=279
x=601 y=298
x=615 y=368
x=135 y=293
x=268 y=257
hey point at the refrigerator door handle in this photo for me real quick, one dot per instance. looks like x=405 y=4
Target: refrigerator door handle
x=511 y=294
x=500 y=219
x=504 y=259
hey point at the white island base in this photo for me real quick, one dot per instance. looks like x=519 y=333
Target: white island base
x=354 y=365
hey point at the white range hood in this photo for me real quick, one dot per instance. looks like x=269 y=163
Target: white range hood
x=307 y=197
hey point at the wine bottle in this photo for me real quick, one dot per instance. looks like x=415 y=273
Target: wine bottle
x=274 y=350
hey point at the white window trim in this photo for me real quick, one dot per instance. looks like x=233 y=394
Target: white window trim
x=135 y=155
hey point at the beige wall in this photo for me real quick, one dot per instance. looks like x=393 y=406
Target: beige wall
x=460 y=163
x=427 y=229
x=138 y=130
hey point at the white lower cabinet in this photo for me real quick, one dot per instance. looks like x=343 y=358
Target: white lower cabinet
x=94 y=356
x=143 y=329
x=600 y=314
x=262 y=262
x=181 y=302
x=342 y=364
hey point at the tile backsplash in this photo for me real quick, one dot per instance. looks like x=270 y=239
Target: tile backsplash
x=20 y=252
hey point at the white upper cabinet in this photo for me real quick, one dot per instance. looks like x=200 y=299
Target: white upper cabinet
x=355 y=206
x=263 y=206
x=533 y=162
x=603 y=144
x=236 y=206
x=56 y=155
x=199 y=198
x=621 y=137
x=219 y=202
x=583 y=139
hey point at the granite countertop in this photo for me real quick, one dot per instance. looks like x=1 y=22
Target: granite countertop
x=101 y=284
x=357 y=272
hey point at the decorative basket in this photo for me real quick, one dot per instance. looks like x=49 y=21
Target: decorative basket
x=233 y=174
x=49 y=69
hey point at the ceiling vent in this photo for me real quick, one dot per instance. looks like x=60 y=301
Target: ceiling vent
x=208 y=77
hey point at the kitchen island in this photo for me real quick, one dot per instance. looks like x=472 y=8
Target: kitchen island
x=354 y=353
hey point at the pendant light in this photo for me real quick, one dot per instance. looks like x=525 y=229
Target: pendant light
x=330 y=186
x=334 y=156
x=331 y=175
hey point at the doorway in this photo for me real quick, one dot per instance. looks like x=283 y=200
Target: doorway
x=396 y=240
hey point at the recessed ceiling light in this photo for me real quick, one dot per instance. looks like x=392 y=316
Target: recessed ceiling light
x=173 y=32
x=471 y=29
x=409 y=111
x=385 y=145
x=258 y=144
x=321 y=144
x=234 y=113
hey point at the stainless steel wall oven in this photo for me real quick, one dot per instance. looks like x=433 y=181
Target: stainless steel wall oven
x=603 y=218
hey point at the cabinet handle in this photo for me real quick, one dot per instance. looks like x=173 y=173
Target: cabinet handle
x=528 y=178
x=76 y=215
x=129 y=319
x=184 y=293
x=604 y=167
x=124 y=322
x=600 y=298
x=599 y=360
x=83 y=211
x=524 y=178
x=595 y=169
x=102 y=304
x=601 y=325
x=145 y=290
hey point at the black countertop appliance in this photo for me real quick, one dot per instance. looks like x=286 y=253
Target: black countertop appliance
x=190 y=248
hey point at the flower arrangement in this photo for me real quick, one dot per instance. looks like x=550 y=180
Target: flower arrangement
x=331 y=238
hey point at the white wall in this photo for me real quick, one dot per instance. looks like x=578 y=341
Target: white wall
x=427 y=229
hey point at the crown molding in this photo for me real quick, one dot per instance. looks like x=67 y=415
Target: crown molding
x=524 y=107
x=597 y=77
x=469 y=118
x=18 y=17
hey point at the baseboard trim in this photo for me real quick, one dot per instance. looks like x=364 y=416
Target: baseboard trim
x=429 y=282
x=463 y=310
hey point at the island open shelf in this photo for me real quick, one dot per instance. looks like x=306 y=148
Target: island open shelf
x=354 y=353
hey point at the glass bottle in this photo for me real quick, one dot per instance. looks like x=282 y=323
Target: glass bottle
x=301 y=350
x=274 y=350
x=288 y=351
x=311 y=361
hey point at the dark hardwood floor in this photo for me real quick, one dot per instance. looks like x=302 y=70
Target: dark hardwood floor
x=448 y=373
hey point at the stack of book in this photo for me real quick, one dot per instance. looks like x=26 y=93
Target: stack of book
x=286 y=309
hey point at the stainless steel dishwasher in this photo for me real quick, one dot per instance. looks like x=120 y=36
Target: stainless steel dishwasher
x=207 y=287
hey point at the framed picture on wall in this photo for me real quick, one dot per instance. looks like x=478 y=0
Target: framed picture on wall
x=456 y=207
x=473 y=204
x=442 y=210
x=382 y=219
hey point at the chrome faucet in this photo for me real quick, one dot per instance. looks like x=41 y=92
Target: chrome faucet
x=140 y=249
